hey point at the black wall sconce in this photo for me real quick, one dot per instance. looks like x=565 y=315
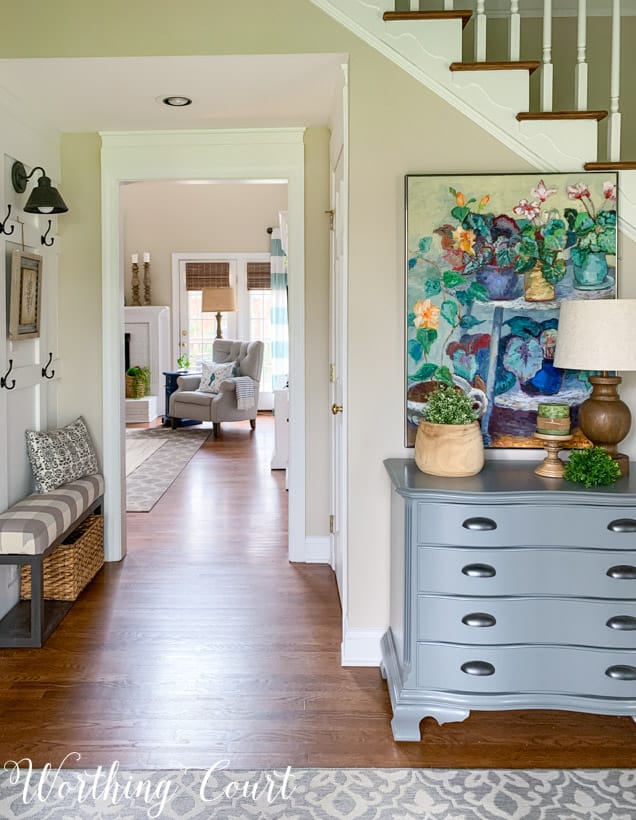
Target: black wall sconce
x=44 y=199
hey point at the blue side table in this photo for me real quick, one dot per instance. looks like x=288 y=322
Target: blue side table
x=171 y=386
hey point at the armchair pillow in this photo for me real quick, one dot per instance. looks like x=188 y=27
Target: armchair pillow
x=60 y=456
x=213 y=374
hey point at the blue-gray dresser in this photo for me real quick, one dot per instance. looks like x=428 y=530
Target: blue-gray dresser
x=509 y=591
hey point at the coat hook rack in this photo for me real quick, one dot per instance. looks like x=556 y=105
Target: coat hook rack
x=4 y=381
x=3 y=223
x=270 y=231
x=47 y=365
x=43 y=238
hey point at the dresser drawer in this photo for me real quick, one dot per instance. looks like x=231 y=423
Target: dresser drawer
x=529 y=669
x=480 y=621
x=456 y=571
x=509 y=525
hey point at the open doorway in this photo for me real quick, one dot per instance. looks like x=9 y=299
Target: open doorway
x=263 y=154
x=217 y=235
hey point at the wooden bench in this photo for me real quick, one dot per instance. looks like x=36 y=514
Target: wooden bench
x=29 y=531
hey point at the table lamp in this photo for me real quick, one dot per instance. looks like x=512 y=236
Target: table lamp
x=218 y=300
x=600 y=334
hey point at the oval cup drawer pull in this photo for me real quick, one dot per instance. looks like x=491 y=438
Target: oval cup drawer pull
x=482 y=619
x=622 y=525
x=480 y=668
x=480 y=524
x=622 y=572
x=622 y=622
x=479 y=571
x=620 y=672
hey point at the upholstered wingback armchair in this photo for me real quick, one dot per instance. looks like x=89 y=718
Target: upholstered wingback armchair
x=237 y=396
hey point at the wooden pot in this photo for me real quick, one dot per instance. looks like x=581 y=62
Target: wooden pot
x=449 y=449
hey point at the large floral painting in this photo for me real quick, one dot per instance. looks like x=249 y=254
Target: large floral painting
x=489 y=259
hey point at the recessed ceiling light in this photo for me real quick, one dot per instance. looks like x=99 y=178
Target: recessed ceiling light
x=177 y=101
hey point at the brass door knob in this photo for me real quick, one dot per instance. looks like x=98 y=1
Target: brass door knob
x=336 y=408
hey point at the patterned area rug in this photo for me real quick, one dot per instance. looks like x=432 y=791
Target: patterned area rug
x=175 y=448
x=324 y=794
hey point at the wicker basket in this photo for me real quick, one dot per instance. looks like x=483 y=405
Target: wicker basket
x=72 y=564
x=135 y=387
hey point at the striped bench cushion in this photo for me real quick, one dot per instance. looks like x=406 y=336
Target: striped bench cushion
x=33 y=524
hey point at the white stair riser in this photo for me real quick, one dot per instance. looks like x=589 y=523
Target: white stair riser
x=508 y=90
x=576 y=137
x=437 y=39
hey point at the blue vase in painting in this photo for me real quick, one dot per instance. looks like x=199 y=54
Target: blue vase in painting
x=502 y=284
x=590 y=271
x=548 y=379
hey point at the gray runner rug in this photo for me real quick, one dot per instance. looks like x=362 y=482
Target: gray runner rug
x=146 y=484
x=325 y=794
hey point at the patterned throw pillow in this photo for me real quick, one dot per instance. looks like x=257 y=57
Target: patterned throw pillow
x=60 y=456
x=212 y=374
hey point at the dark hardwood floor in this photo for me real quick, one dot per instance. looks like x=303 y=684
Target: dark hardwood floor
x=206 y=644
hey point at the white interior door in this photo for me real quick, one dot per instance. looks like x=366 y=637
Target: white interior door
x=337 y=335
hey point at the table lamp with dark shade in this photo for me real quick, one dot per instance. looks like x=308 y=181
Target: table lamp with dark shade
x=218 y=300
x=600 y=334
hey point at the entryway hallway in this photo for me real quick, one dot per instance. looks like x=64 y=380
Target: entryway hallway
x=205 y=644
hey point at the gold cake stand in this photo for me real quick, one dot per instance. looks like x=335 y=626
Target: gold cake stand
x=552 y=467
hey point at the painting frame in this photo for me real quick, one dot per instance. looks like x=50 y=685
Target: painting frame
x=25 y=296
x=482 y=250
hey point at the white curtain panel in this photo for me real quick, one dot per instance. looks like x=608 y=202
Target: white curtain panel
x=280 y=326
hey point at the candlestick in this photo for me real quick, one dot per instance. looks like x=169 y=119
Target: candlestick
x=146 y=257
x=134 y=258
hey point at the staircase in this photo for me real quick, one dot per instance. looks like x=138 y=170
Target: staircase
x=429 y=45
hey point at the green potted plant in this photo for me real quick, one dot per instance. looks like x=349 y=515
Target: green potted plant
x=592 y=467
x=593 y=235
x=183 y=362
x=449 y=441
x=137 y=382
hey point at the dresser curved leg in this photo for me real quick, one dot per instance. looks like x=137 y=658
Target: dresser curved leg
x=406 y=723
x=634 y=718
x=406 y=719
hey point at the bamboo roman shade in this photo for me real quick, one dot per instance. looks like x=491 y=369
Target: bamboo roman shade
x=259 y=276
x=204 y=275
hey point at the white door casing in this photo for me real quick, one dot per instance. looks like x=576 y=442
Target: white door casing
x=224 y=154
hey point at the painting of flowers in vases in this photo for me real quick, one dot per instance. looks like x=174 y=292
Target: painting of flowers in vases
x=489 y=260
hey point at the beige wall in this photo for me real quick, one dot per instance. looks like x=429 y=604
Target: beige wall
x=171 y=217
x=396 y=127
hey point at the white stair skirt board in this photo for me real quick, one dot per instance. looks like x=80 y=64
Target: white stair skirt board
x=318 y=549
x=361 y=647
x=138 y=410
x=425 y=49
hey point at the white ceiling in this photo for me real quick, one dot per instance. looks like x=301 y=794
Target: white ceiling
x=120 y=94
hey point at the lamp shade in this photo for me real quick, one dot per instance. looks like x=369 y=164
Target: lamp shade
x=217 y=300
x=45 y=199
x=597 y=334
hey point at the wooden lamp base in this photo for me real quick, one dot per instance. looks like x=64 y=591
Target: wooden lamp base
x=552 y=466
x=605 y=419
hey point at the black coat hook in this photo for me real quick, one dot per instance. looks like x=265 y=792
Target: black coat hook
x=43 y=238
x=4 y=381
x=6 y=219
x=46 y=367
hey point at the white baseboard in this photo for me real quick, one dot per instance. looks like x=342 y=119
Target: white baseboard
x=361 y=647
x=318 y=549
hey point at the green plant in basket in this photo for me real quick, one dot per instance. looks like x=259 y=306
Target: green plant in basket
x=141 y=381
x=592 y=467
x=447 y=405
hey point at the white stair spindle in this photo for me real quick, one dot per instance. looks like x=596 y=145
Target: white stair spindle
x=415 y=5
x=614 y=127
x=514 y=32
x=547 y=78
x=580 y=72
x=448 y=5
x=480 y=31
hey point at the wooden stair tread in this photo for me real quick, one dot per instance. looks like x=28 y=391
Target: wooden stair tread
x=459 y=14
x=610 y=166
x=520 y=65
x=561 y=115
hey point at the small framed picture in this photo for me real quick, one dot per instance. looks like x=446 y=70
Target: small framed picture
x=26 y=295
